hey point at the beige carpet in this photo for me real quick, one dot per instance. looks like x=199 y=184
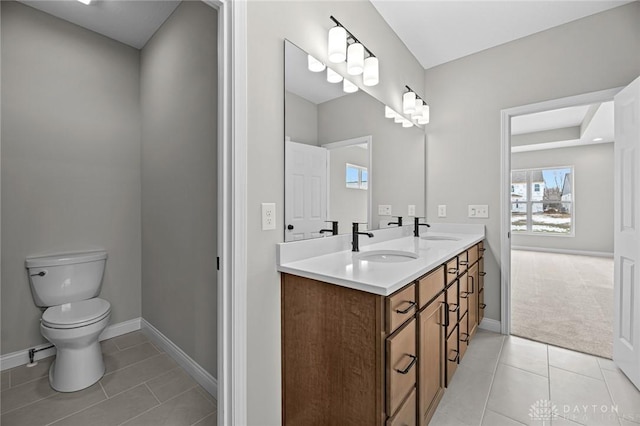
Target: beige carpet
x=564 y=300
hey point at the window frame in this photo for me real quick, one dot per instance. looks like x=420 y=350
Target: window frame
x=360 y=184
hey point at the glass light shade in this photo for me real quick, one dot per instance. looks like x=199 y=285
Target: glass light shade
x=337 y=49
x=370 y=75
x=406 y=123
x=355 y=59
x=398 y=118
x=315 y=65
x=349 y=87
x=333 y=77
x=389 y=113
x=418 y=112
x=409 y=102
x=424 y=118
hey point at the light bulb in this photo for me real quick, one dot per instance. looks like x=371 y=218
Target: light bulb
x=409 y=102
x=337 y=49
x=370 y=75
x=333 y=77
x=315 y=65
x=349 y=87
x=355 y=59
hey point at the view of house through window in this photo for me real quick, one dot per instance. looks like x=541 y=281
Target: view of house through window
x=357 y=177
x=542 y=201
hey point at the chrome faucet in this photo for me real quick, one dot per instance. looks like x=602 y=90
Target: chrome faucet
x=354 y=242
x=334 y=227
x=399 y=222
x=417 y=225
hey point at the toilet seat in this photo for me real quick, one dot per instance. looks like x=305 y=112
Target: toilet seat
x=76 y=314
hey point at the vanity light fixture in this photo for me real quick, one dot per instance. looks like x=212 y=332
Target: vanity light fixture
x=389 y=113
x=406 y=123
x=344 y=46
x=333 y=77
x=349 y=87
x=315 y=65
x=414 y=105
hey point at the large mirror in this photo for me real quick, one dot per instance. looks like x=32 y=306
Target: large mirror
x=344 y=161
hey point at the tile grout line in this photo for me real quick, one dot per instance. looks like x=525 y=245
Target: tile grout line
x=154 y=395
x=132 y=364
x=493 y=377
x=215 y=413
x=613 y=401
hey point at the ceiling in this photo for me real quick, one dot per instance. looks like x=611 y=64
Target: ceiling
x=129 y=22
x=439 y=31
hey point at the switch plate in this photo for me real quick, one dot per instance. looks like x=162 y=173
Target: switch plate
x=442 y=210
x=268 y=216
x=411 y=211
x=384 y=210
x=479 y=211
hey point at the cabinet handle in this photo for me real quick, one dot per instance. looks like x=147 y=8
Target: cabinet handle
x=411 y=364
x=456 y=309
x=412 y=305
x=483 y=305
x=482 y=274
x=464 y=294
x=462 y=262
x=482 y=249
x=473 y=280
x=453 y=271
x=446 y=316
x=466 y=339
x=455 y=359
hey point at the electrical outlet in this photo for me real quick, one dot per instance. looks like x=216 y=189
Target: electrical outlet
x=411 y=211
x=479 y=211
x=442 y=210
x=268 y=216
x=384 y=210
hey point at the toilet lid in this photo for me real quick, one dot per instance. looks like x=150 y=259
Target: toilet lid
x=76 y=314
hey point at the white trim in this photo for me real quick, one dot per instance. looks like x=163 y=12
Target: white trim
x=200 y=375
x=564 y=251
x=555 y=145
x=490 y=325
x=505 y=183
x=18 y=358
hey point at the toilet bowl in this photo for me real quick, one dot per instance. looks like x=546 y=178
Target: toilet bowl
x=74 y=328
x=68 y=286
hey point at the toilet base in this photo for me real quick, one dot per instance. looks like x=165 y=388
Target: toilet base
x=75 y=370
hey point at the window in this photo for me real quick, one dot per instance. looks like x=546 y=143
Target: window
x=542 y=201
x=357 y=177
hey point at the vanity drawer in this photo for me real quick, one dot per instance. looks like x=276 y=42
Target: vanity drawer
x=452 y=355
x=430 y=285
x=401 y=366
x=453 y=306
x=472 y=255
x=406 y=415
x=463 y=262
x=400 y=307
x=463 y=338
x=452 y=270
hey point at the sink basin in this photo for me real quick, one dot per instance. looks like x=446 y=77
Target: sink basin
x=439 y=238
x=386 y=256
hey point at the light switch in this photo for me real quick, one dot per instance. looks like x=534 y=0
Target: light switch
x=442 y=210
x=479 y=211
x=268 y=216
x=411 y=211
x=384 y=210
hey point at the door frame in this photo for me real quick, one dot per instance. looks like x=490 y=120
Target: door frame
x=505 y=184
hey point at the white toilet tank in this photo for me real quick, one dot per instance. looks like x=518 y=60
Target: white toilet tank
x=65 y=278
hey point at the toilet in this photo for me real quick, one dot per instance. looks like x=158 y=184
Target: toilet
x=68 y=286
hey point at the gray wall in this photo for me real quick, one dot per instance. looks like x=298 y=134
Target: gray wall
x=346 y=205
x=179 y=172
x=302 y=119
x=305 y=23
x=70 y=160
x=398 y=170
x=593 y=195
x=466 y=96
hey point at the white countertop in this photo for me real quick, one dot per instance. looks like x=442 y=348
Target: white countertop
x=341 y=268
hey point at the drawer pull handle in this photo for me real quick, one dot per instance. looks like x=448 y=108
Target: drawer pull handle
x=465 y=339
x=482 y=274
x=452 y=271
x=411 y=364
x=456 y=309
x=464 y=294
x=482 y=249
x=446 y=316
x=472 y=283
x=412 y=305
x=462 y=262
x=483 y=305
x=455 y=359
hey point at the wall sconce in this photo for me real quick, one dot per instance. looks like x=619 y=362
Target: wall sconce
x=345 y=46
x=414 y=105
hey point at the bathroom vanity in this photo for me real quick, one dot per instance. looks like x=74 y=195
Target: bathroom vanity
x=375 y=340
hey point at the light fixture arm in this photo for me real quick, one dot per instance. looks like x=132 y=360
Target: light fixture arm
x=351 y=37
x=409 y=89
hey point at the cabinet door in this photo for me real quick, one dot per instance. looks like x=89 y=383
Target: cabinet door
x=406 y=415
x=431 y=362
x=473 y=299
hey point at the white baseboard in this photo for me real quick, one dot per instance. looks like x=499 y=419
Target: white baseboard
x=564 y=251
x=18 y=358
x=200 y=375
x=490 y=325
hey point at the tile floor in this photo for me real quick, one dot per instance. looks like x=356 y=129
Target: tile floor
x=142 y=386
x=513 y=381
